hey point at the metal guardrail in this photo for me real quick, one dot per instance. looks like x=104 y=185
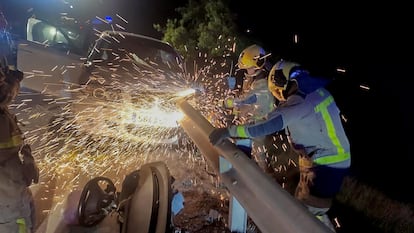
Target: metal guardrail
x=271 y=207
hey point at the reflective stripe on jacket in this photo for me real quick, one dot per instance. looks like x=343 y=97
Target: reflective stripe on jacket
x=314 y=125
x=14 y=141
x=11 y=138
x=10 y=133
x=22 y=225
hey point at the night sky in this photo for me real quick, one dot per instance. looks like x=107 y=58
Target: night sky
x=372 y=43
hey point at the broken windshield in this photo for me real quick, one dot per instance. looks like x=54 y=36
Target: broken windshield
x=144 y=51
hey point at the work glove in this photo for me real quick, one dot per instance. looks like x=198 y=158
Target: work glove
x=9 y=85
x=9 y=74
x=218 y=135
x=30 y=169
x=14 y=75
x=227 y=103
x=231 y=82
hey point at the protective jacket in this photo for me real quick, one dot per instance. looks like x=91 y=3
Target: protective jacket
x=16 y=173
x=314 y=125
x=15 y=197
x=255 y=102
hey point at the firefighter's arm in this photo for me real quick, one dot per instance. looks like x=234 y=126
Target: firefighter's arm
x=231 y=102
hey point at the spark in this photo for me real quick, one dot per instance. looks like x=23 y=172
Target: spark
x=337 y=224
x=364 y=87
x=344 y=118
x=102 y=20
x=341 y=70
x=119 y=26
x=292 y=162
x=284 y=146
x=120 y=17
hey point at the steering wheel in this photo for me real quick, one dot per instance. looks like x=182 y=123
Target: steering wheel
x=96 y=201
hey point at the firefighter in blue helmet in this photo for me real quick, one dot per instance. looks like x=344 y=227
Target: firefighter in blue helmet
x=312 y=120
x=18 y=169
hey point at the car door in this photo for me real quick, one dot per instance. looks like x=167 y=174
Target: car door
x=47 y=62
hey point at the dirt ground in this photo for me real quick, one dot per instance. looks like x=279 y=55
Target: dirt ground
x=203 y=213
x=205 y=204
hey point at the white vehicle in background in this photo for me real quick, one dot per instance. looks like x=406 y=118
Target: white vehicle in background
x=122 y=85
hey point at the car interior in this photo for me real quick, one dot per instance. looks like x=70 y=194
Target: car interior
x=142 y=206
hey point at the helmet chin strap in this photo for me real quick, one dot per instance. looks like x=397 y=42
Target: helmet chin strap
x=257 y=74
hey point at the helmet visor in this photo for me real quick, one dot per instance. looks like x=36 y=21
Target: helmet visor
x=278 y=79
x=277 y=92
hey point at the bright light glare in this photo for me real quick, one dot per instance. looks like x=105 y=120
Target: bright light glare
x=52 y=31
x=154 y=116
x=130 y=121
x=186 y=92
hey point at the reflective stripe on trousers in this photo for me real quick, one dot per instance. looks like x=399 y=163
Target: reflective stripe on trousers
x=331 y=159
x=15 y=226
x=15 y=141
x=22 y=225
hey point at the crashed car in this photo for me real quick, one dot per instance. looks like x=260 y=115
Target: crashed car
x=125 y=87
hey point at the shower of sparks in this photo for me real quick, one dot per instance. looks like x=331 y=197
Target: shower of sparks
x=106 y=131
x=106 y=128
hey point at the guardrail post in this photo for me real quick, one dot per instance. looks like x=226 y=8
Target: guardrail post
x=237 y=214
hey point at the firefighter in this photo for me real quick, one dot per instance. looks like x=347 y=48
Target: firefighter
x=254 y=100
x=18 y=169
x=312 y=120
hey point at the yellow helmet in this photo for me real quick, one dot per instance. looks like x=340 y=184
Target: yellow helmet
x=252 y=56
x=279 y=77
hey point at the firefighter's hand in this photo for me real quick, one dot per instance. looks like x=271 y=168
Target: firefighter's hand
x=10 y=74
x=15 y=75
x=231 y=82
x=218 y=135
x=227 y=103
x=31 y=171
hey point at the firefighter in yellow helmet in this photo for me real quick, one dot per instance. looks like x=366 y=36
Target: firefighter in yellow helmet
x=254 y=101
x=18 y=168
x=312 y=119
